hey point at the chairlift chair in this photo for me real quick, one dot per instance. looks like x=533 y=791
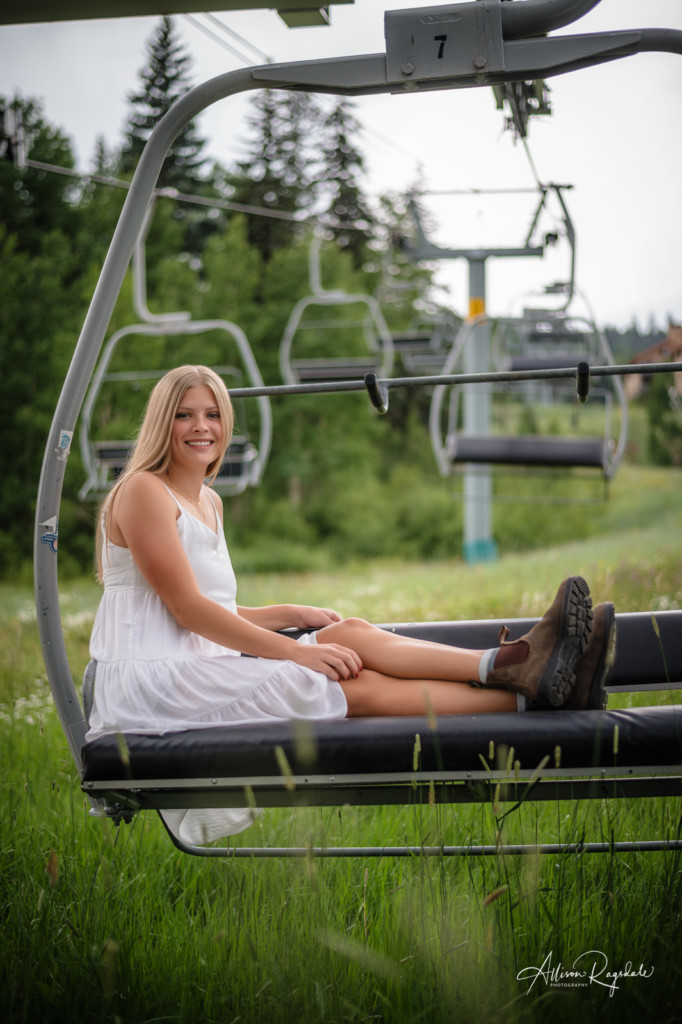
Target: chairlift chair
x=545 y=339
x=453 y=446
x=424 y=346
x=334 y=367
x=104 y=460
x=571 y=754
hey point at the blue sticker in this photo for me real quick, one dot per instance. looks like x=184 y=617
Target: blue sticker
x=52 y=535
x=64 y=448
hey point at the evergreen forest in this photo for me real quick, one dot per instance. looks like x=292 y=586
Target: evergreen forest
x=229 y=243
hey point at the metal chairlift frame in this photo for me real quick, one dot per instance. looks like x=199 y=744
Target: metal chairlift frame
x=328 y=367
x=249 y=459
x=495 y=42
x=422 y=346
x=545 y=338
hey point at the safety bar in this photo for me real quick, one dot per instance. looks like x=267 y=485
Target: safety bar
x=497 y=376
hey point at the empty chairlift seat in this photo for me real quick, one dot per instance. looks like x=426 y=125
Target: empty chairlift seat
x=424 y=348
x=528 y=450
x=563 y=434
x=333 y=369
x=323 y=359
x=111 y=458
x=248 y=452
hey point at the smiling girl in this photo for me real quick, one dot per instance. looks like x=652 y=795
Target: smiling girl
x=168 y=634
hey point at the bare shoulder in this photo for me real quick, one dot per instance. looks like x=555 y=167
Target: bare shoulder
x=144 y=486
x=142 y=491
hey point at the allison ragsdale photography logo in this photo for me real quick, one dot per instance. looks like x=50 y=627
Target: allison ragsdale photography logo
x=588 y=969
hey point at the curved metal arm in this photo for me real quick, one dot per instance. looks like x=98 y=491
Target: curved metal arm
x=140 y=279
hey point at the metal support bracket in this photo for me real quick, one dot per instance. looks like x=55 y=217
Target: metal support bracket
x=439 y=42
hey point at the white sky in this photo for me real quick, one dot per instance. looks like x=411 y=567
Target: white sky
x=615 y=134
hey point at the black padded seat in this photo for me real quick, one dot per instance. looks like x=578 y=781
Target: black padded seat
x=597 y=753
x=377 y=760
x=557 y=334
x=238 y=457
x=334 y=369
x=113 y=453
x=241 y=452
x=556 y=362
x=527 y=450
x=411 y=342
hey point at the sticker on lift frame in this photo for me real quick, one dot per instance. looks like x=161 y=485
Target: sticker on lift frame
x=64 y=447
x=52 y=535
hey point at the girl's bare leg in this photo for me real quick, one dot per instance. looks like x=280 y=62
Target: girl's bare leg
x=402 y=676
x=402 y=657
x=375 y=695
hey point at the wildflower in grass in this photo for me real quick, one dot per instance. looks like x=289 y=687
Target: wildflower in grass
x=285 y=768
x=123 y=751
x=495 y=895
x=416 y=751
x=52 y=868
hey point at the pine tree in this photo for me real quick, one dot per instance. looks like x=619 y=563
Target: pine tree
x=165 y=79
x=41 y=308
x=343 y=163
x=34 y=201
x=277 y=172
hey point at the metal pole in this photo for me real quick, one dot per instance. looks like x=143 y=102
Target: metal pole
x=478 y=544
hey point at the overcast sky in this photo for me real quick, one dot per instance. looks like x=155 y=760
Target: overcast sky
x=615 y=135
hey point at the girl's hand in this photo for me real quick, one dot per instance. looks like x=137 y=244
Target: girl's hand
x=335 y=661
x=315 y=618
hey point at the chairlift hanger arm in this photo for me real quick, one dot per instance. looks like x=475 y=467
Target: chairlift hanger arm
x=466 y=45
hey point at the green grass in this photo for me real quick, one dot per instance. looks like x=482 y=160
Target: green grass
x=105 y=924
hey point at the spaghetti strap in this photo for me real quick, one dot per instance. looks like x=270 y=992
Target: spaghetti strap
x=173 y=497
x=216 y=509
x=214 y=505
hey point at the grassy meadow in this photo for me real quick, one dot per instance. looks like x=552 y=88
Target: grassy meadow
x=109 y=924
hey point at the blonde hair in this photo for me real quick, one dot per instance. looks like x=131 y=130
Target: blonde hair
x=151 y=450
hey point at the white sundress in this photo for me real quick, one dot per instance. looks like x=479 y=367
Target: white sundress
x=154 y=677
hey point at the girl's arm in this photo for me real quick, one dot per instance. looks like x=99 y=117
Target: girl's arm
x=283 y=616
x=290 y=616
x=144 y=517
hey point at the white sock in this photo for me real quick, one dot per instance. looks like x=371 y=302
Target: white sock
x=486 y=663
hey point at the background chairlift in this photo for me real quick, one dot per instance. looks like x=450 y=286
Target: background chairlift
x=423 y=345
x=244 y=461
x=514 y=403
x=373 y=331
x=546 y=339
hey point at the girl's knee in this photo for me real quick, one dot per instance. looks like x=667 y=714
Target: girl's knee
x=343 y=632
x=355 y=623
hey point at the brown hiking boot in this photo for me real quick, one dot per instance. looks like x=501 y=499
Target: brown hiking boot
x=540 y=665
x=594 y=665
